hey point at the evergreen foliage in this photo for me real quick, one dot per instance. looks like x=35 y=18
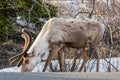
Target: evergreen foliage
x=27 y=11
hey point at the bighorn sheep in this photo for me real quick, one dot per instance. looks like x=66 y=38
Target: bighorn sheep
x=75 y=33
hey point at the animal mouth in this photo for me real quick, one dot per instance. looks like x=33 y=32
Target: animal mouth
x=19 y=58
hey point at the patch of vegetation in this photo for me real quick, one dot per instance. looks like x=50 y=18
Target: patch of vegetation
x=25 y=11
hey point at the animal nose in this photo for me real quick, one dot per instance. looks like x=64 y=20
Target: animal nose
x=23 y=70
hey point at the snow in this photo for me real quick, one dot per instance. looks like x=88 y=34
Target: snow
x=11 y=69
x=90 y=66
x=21 y=21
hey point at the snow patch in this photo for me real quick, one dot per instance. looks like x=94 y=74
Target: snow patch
x=90 y=66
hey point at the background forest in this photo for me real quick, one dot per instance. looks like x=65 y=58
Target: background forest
x=18 y=14
x=32 y=14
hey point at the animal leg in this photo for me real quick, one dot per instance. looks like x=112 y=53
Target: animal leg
x=54 y=51
x=61 y=60
x=97 y=65
x=74 y=60
x=96 y=52
x=85 y=59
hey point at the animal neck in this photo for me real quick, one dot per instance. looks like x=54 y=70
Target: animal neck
x=39 y=46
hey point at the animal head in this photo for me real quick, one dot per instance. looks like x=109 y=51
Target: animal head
x=38 y=51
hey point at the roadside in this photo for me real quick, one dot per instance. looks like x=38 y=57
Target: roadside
x=60 y=76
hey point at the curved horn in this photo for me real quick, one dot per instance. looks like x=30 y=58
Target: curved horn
x=28 y=41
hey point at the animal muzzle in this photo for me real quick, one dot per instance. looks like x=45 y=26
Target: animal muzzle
x=25 y=70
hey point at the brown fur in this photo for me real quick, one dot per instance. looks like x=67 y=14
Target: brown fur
x=75 y=33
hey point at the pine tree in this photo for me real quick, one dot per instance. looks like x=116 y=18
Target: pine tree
x=29 y=11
